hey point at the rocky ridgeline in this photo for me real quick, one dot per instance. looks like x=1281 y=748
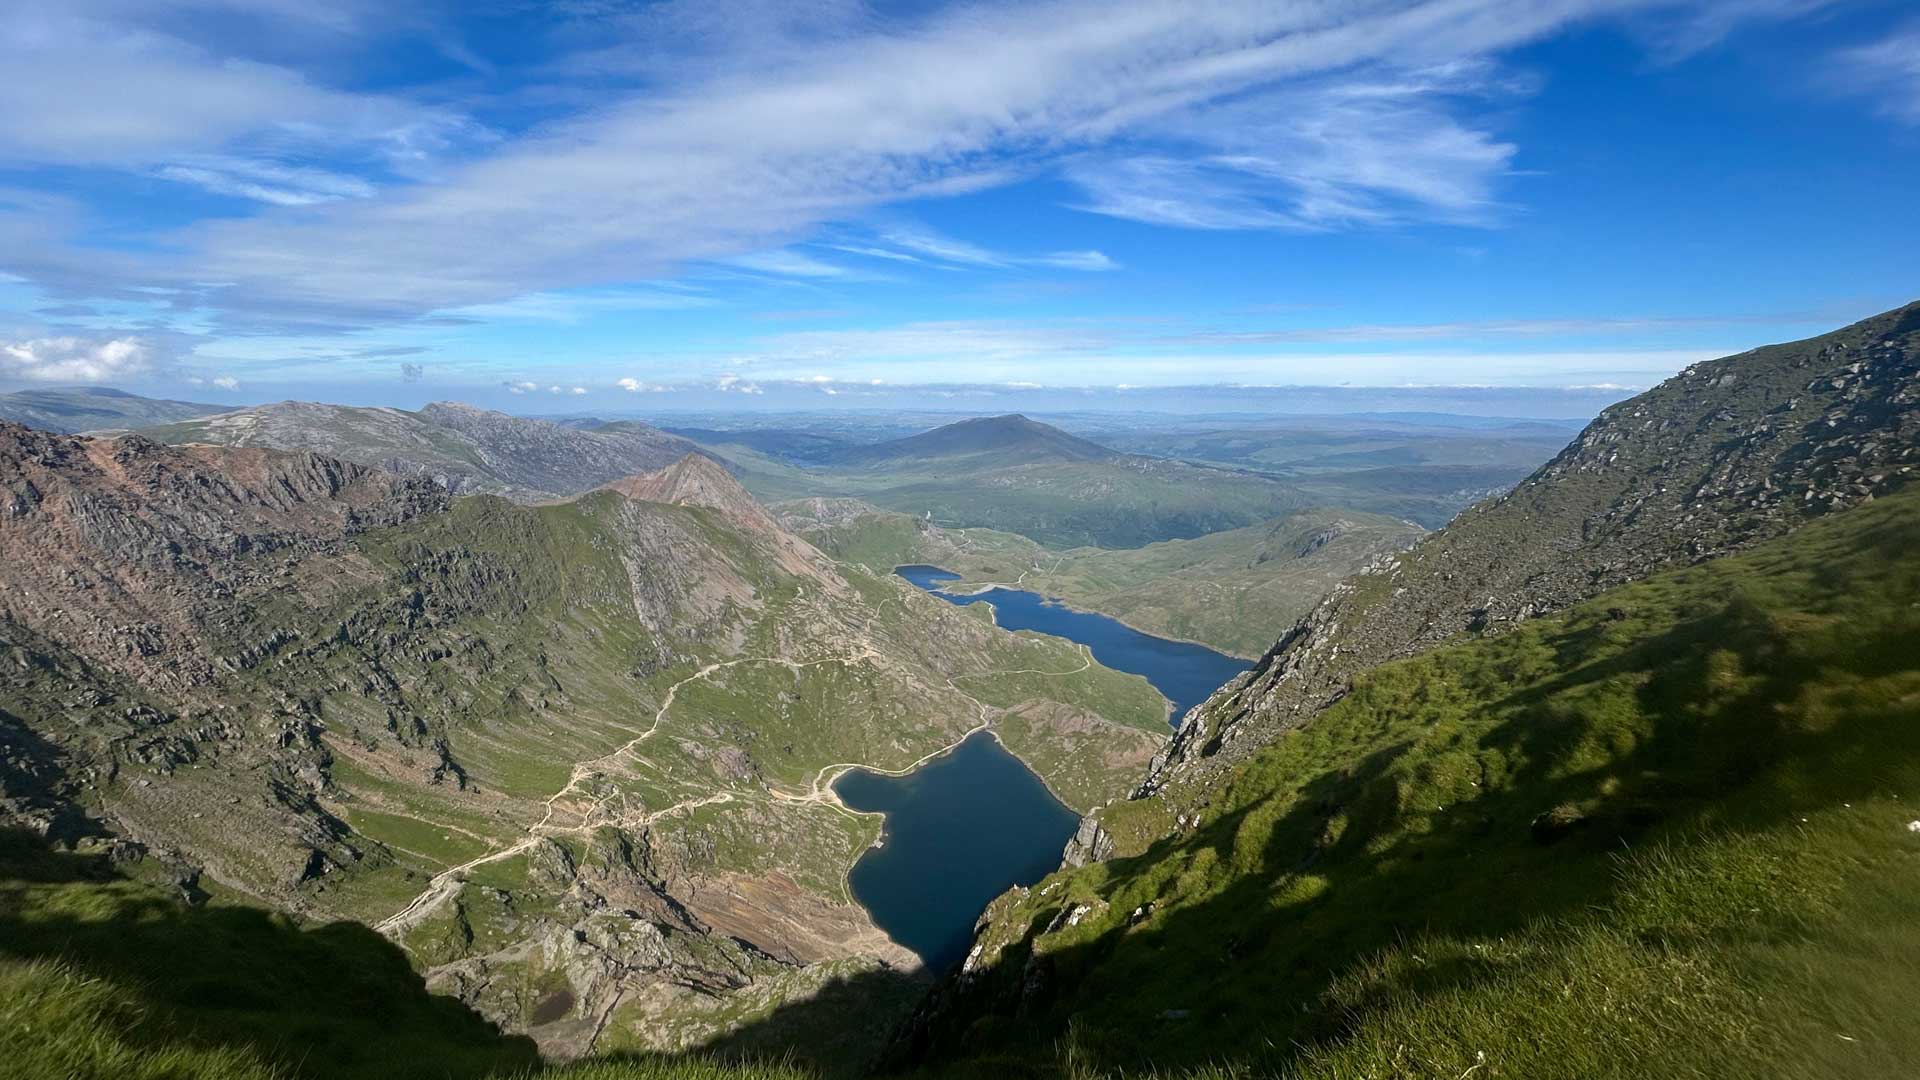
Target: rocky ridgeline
x=128 y=545
x=1726 y=454
x=462 y=449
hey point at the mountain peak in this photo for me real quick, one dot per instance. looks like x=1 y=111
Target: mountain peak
x=983 y=442
x=695 y=480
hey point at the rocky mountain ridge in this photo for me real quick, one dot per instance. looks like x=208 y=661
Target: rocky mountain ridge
x=464 y=449
x=1726 y=454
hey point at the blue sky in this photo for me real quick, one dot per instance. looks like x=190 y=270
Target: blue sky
x=599 y=205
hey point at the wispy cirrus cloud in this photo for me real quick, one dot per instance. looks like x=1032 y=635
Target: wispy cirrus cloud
x=1334 y=153
x=264 y=181
x=1887 y=70
x=1245 y=113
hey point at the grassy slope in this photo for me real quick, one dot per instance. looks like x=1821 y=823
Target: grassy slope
x=1662 y=834
x=1120 y=503
x=1235 y=590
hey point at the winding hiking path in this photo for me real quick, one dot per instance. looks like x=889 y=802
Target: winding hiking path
x=444 y=885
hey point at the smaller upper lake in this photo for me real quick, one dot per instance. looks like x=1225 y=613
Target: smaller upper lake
x=961 y=830
x=1186 y=673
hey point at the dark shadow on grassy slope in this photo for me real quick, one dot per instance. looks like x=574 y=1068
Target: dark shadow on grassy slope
x=333 y=1001
x=838 y=1032
x=1241 y=976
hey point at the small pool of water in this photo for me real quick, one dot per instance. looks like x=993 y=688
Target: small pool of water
x=961 y=829
x=1186 y=673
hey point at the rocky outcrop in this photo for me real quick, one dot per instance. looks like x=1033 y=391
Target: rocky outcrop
x=1726 y=454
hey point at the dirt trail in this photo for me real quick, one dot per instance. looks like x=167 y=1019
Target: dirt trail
x=445 y=884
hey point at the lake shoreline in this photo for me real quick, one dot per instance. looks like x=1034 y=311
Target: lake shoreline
x=1185 y=673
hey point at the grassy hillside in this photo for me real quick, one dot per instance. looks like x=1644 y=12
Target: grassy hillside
x=1235 y=590
x=1015 y=475
x=1664 y=833
x=1424 y=469
x=68 y=409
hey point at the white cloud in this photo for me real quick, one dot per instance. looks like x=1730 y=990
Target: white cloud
x=1078 y=260
x=769 y=144
x=788 y=264
x=734 y=384
x=265 y=181
x=578 y=390
x=636 y=386
x=577 y=306
x=74 y=359
x=1232 y=114
x=104 y=83
x=226 y=382
x=941 y=248
x=1332 y=153
x=521 y=386
x=1888 y=70
x=913 y=243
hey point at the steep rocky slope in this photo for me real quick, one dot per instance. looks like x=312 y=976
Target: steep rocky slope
x=1726 y=454
x=573 y=757
x=464 y=449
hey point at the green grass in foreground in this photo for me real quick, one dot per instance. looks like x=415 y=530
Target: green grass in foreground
x=1664 y=834
x=1661 y=835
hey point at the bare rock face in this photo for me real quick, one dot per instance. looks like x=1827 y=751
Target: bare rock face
x=461 y=448
x=125 y=543
x=1724 y=455
x=699 y=481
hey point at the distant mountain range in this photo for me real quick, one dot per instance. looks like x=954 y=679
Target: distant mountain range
x=1017 y=475
x=96 y=408
x=464 y=449
x=988 y=442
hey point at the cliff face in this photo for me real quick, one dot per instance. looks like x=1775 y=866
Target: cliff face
x=1726 y=454
x=127 y=544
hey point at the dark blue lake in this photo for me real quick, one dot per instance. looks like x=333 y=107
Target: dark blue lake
x=1184 y=672
x=961 y=830
x=970 y=824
